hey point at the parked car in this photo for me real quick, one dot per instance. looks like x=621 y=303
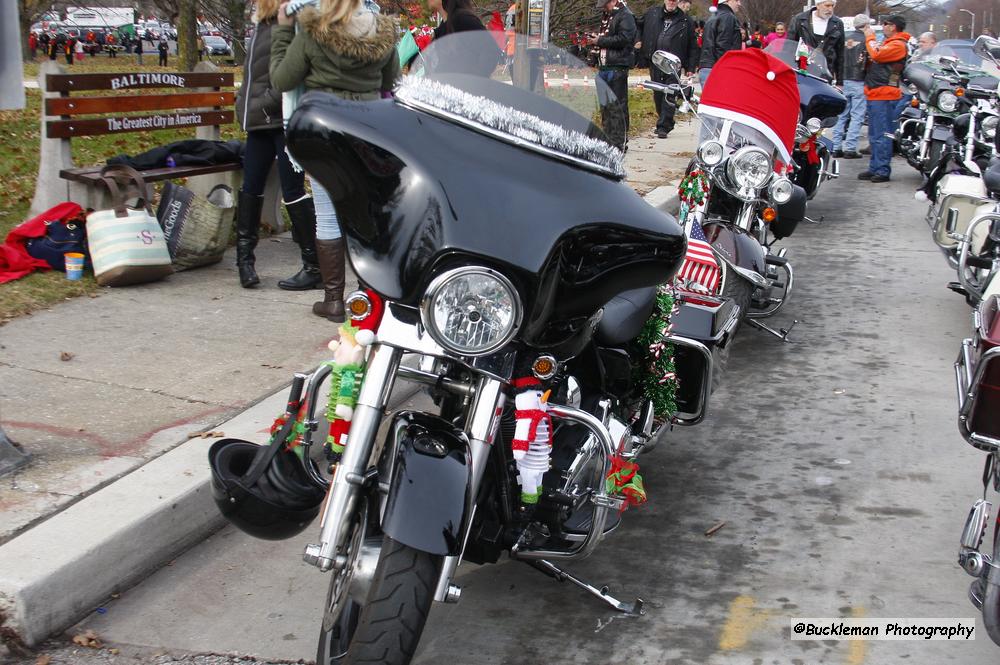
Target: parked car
x=216 y=45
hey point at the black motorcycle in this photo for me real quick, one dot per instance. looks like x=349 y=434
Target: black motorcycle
x=819 y=106
x=504 y=255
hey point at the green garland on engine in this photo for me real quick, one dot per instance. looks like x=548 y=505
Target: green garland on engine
x=655 y=373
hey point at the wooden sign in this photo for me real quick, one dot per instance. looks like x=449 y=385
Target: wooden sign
x=137 y=81
x=81 y=105
x=63 y=129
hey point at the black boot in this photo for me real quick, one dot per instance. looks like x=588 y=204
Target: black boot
x=303 y=216
x=332 y=263
x=247 y=224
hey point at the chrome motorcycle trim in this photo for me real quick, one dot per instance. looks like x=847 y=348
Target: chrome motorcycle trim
x=599 y=497
x=686 y=419
x=964 y=244
x=632 y=609
x=574 y=396
x=507 y=138
x=789 y=283
x=482 y=426
x=965 y=383
x=380 y=373
x=925 y=141
x=431 y=379
x=975 y=525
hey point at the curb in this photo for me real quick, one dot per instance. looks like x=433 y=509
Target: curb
x=60 y=570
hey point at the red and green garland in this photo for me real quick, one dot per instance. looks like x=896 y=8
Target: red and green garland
x=694 y=188
x=655 y=373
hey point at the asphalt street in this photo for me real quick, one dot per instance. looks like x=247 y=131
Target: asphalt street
x=833 y=461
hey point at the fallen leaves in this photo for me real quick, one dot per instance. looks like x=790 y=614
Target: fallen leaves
x=213 y=434
x=66 y=356
x=715 y=528
x=88 y=639
x=43 y=659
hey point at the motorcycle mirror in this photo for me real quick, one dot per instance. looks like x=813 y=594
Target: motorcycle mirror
x=951 y=222
x=987 y=47
x=667 y=62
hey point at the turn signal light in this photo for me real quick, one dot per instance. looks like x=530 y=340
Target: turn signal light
x=959 y=92
x=769 y=215
x=915 y=103
x=365 y=309
x=544 y=367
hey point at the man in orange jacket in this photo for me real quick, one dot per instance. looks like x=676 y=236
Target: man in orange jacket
x=882 y=92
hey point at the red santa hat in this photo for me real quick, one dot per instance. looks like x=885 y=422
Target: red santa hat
x=714 y=6
x=757 y=89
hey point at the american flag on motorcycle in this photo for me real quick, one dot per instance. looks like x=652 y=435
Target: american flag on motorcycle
x=700 y=265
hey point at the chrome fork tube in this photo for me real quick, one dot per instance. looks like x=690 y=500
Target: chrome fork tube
x=481 y=427
x=379 y=375
x=925 y=142
x=970 y=139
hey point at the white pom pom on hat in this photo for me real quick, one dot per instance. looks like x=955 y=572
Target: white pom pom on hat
x=770 y=76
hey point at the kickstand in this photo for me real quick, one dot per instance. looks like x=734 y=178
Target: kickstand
x=814 y=221
x=560 y=575
x=782 y=335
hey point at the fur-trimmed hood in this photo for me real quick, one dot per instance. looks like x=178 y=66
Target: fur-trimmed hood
x=366 y=37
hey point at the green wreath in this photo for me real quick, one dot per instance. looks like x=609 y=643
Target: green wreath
x=655 y=373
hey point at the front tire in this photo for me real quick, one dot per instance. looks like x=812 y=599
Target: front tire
x=387 y=628
x=739 y=291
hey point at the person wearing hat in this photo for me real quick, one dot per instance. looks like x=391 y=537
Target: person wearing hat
x=855 y=59
x=722 y=34
x=665 y=27
x=819 y=28
x=616 y=55
x=886 y=62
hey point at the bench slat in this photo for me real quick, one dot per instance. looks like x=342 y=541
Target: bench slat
x=136 y=80
x=64 y=129
x=82 y=105
x=91 y=174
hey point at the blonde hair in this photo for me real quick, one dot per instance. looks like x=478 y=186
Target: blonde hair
x=267 y=9
x=336 y=12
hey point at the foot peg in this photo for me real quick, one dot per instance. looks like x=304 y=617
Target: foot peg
x=632 y=609
x=781 y=333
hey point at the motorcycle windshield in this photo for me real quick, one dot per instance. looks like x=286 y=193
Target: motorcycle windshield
x=739 y=135
x=792 y=52
x=490 y=159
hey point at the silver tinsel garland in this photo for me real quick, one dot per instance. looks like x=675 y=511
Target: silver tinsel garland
x=519 y=124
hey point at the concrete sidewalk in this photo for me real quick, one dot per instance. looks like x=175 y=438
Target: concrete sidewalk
x=106 y=394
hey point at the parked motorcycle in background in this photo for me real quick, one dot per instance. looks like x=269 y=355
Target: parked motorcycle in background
x=736 y=196
x=516 y=276
x=820 y=104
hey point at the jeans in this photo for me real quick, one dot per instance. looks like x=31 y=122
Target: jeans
x=880 y=119
x=327 y=227
x=897 y=110
x=262 y=147
x=855 y=113
x=613 y=98
x=703 y=76
x=665 y=108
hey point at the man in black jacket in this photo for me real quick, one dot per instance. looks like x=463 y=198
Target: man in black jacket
x=722 y=33
x=616 y=55
x=665 y=27
x=819 y=28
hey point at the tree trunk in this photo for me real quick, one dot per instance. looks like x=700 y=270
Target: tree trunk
x=26 y=10
x=187 y=35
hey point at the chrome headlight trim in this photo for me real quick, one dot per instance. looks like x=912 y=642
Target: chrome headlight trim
x=438 y=284
x=733 y=170
x=947 y=101
x=711 y=153
x=781 y=190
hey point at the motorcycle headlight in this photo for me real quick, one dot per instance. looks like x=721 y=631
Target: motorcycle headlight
x=749 y=168
x=710 y=153
x=814 y=125
x=912 y=89
x=781 y=190
x=471 y=311
x=989 y=126
x=947 y=101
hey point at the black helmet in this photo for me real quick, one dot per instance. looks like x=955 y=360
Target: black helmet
x=270 y=498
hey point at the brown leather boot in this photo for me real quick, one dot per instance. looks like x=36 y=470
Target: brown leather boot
x=331 y=266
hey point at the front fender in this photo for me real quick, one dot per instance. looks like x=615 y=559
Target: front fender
x=429 y=467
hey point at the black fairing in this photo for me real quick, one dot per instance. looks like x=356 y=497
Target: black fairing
x=430 y=486
x=790 y=214
x=416 y=194
x=920 y=76
x=991 y=179
x=819 y=99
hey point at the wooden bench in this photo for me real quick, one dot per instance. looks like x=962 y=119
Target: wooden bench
x=162 y=100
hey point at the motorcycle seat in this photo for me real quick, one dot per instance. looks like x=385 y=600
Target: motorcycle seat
x=991 y=179
x=624 y=316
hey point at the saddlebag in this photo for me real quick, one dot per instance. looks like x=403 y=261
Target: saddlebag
x=964 y=192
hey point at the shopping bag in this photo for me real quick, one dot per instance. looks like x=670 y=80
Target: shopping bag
x=196 y=228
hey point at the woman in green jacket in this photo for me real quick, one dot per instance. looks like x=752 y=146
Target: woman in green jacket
x=347 y=50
